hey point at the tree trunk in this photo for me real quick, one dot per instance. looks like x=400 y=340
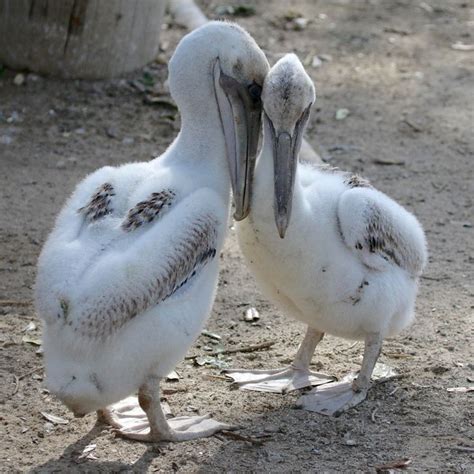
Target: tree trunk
x=88 y=39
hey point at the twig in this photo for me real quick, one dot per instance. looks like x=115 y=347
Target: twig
x=172 y=391
x=426 y=277
x=15 y=303
x=389 y=378
x=245 y=349
x=398 y=464
x=215 y=377
x=393 y=391
x=414 y=127
x=463 y=448
x=17 y=380
x=21 y=377
x=17 y=385
x=372 y=416
x=388 y=162
x=248 y=439
x=344 y=349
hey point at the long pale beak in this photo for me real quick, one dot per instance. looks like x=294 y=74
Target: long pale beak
x=286 y=147
x=240 y=116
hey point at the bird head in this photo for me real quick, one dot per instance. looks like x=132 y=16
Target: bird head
x=288 y=94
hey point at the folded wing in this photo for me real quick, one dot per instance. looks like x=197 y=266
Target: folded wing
x=380 y=231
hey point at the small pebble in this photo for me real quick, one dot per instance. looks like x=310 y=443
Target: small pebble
x=14 y=117
x=341 y=114
x=316 y=62
x=112 y=132
x=300 y=23
x=48 y=427
x=19 y=79
x=350 y=442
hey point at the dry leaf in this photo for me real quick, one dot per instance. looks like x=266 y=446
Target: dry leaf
x=31 y=327
x=383 y=372
x=88 y=449
x=461 y=389
x=172 y=376
x=87 y=452
x=31 y=340
x=251 y=314
x=462 y=46
x=57 y=420
x=341 y=114
x=216 y=362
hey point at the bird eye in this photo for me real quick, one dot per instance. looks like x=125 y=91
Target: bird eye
x=255 y=91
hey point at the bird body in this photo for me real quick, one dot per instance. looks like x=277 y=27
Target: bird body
x=329 y=249
x=127 y=278
x=108 y=266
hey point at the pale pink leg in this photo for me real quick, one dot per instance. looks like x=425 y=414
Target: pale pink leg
x=148 y=422
x=336 y=397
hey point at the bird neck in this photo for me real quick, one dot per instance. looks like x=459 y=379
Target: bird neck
x=199 y=152
x=201 y=138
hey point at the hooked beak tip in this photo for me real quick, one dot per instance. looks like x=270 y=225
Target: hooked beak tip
x=240 y=216
x=282 y=226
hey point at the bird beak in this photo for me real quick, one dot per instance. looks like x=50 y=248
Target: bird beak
x=240 y=116
x=286 y=147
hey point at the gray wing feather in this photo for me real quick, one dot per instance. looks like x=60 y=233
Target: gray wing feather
x=104 y=316
x=380 y=231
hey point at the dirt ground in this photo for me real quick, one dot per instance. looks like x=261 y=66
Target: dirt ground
x=409 y=130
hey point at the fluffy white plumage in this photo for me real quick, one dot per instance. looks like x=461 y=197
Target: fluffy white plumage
x=351 y=258
x=127 y=277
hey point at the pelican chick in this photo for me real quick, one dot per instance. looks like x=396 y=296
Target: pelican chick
x=328 y=249
x=127 y=278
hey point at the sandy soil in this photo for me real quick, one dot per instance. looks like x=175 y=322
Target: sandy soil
x=410 y=97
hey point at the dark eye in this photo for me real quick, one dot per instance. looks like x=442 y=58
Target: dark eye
x=255 y=91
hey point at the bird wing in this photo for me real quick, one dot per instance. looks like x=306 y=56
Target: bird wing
x=380 y=231
x=147 y=256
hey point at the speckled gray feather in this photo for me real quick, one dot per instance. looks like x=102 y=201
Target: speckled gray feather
x=382 y=238
x=100 y=203
x=148 y=210
x=190 y=252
